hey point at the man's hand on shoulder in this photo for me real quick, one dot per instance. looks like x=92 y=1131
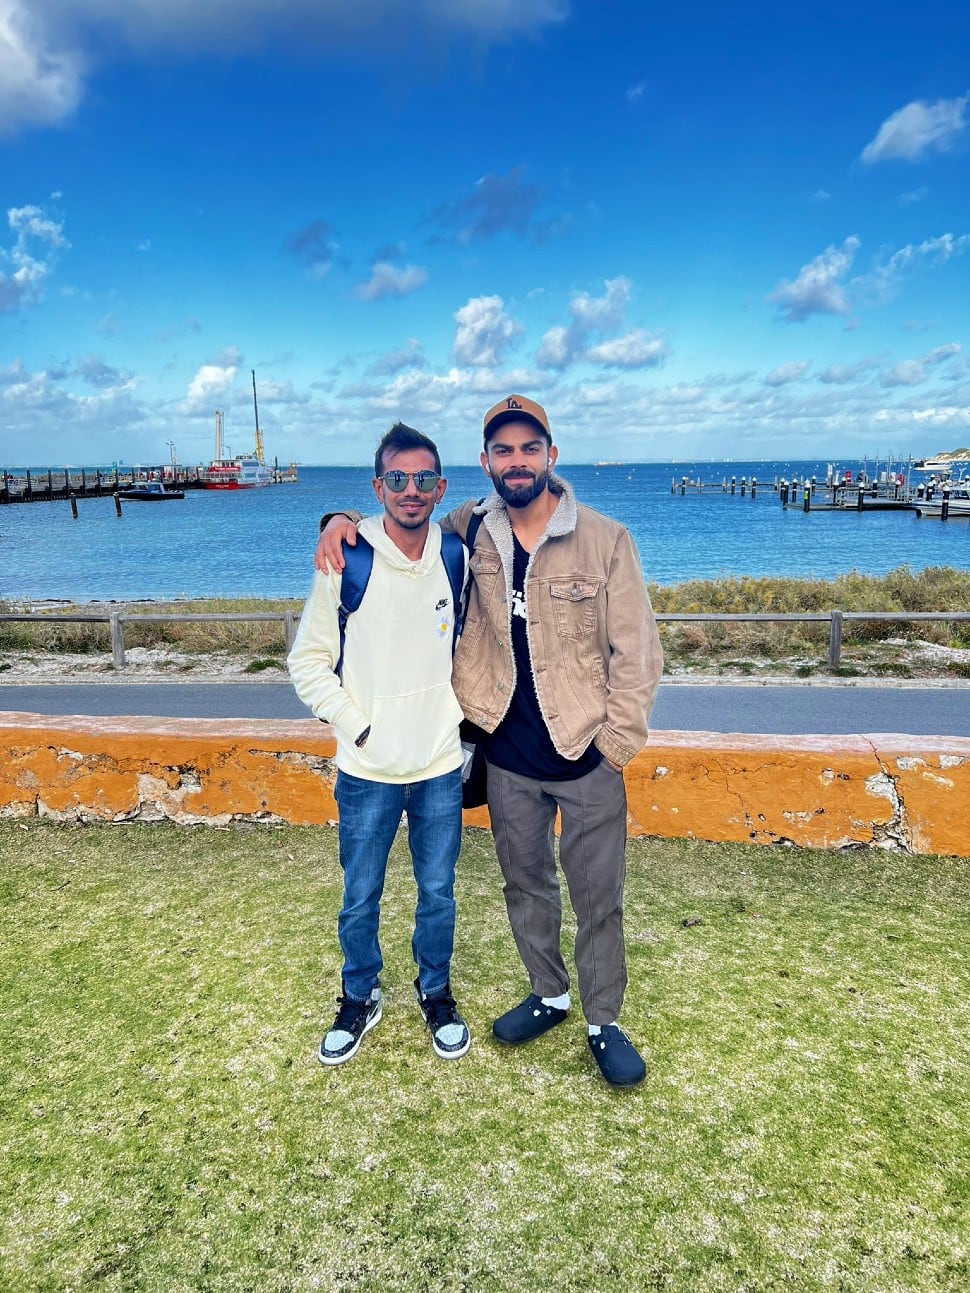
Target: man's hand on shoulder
x=328 y=555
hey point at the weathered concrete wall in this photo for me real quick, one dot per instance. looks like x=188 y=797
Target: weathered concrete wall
x=828 y=792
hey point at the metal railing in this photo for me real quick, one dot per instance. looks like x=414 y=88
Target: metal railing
x=834 y=619
x=116 y=621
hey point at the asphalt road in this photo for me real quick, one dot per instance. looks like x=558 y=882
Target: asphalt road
x=783 y=710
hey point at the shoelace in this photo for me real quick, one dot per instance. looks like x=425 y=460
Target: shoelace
x=348 y=1014
x=440 y=1011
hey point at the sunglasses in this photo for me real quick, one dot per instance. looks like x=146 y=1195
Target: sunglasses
x=396 y=481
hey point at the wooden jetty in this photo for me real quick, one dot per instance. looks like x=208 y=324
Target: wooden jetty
x=886 y=492
x=32 y=485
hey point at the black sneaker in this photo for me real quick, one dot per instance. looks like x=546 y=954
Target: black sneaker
x=526 y=1021
x=619 y=1060
x=354 y=1018
x=449 y=1034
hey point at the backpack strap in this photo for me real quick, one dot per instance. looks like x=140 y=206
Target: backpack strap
x=461 y=594
x=453 y=556
x=358 y=563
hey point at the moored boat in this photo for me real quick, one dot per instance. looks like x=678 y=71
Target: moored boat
x=246 y=471
x=956 y=501
x=238 y=473
x=149 y=491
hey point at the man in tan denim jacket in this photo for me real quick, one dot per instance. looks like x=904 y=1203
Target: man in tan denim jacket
x=558 y=664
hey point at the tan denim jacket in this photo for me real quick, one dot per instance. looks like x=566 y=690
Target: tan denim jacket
x=593 y=640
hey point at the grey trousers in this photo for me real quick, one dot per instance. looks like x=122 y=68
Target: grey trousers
x=592 y=854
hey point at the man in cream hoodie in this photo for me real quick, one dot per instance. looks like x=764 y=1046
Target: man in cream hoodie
x=396 y=719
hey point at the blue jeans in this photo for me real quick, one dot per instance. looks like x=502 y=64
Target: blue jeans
x=370 y=812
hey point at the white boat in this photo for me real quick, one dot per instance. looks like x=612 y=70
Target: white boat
x=246 y=471
x=957 y=500
x=238 y=473
x=943 y=463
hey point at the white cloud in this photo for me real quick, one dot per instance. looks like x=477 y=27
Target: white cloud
x=786 y=373
x=33 y=222
x=33 y=255
x=916 y=129
x=635 y=92
x=484 y=332
x=47 y=47
x=207 y=387
x=94 y=371
x=410 y=355
x=601 y=312
x=554 y=349
x=635 y=350
x=927 y=254
x=388 y=280
x=40 y=84
x=914 y=196
x=562 y=346
x=910 y=372
x=817 y=289
x=843 y=374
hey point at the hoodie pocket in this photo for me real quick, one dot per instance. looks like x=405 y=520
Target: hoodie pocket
x=410 y=734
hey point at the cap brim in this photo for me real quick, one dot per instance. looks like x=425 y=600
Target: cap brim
x=514 y=415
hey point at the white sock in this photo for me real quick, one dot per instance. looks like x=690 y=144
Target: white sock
x=560 y=1003
x=594 y=1029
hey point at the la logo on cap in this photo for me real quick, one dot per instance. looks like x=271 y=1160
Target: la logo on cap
x=512 y=403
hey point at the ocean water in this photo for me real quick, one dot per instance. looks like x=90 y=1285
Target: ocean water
x=259 y=543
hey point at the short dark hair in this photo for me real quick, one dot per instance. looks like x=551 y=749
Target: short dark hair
x=402 y=437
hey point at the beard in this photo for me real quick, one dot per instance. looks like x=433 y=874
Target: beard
x=520 y=493
x=407 y=522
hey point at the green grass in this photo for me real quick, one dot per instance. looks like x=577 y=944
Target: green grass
x=696 y=647
x=165 y=1124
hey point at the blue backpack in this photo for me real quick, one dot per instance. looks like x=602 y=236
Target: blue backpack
x=359 y=561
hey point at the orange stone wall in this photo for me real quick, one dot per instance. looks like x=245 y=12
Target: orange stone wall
x=907 y=792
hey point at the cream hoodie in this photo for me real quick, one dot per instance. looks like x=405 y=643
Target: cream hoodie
x=397 y=664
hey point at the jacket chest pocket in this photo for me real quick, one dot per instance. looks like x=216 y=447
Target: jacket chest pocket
x=486 y=568
x=574 y=607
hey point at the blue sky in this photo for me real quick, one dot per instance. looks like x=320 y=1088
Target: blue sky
x=711 y=232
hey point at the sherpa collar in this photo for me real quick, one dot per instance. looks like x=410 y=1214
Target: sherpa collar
x=562 y=521
x=496 y=520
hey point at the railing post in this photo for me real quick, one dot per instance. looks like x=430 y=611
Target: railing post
x=835 y=639
x=289 y=630
x=117 y=640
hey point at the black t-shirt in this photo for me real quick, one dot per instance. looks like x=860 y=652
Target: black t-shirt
x=521 y=742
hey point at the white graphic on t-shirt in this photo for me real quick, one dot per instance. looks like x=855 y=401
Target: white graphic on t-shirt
x=518 y=603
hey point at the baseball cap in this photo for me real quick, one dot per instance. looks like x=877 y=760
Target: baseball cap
x=515 y=408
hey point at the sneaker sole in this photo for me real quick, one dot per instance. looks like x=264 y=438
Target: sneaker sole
x=331 y=1060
